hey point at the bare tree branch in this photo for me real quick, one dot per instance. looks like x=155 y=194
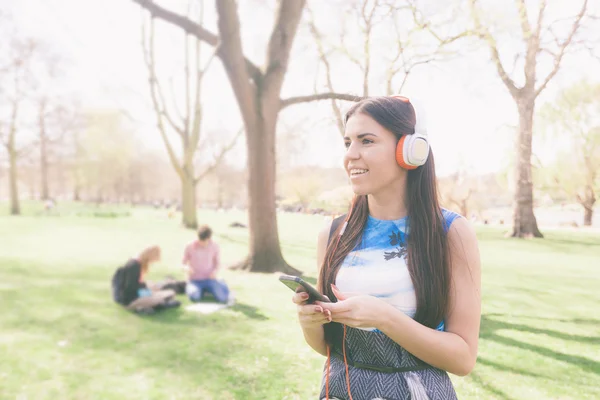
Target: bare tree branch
x=192 y=28
x=321 y=96
x=209 y=61
x=427 y=26
x=524 y=19
x=155 y=88
x=184 y=23
x=323 y=57
x=175 y=105
x=233 y=60
x=280 y=44
x=540 y=20
x=368 y=20
x=197 y=118
x=563 y=48
x=485 y=34
x=149 y=58
x=532 y=42
x=220 y=156
x=188 y=86
x=344 y=50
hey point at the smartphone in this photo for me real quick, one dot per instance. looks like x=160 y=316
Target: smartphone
x=298 y=284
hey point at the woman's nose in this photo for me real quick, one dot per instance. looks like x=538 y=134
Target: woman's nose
x=352 y=152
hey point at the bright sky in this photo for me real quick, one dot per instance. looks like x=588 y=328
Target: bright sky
x=469 y=110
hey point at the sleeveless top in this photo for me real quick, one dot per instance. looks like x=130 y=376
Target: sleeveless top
x=377 y=267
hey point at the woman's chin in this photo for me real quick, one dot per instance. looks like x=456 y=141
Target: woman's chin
x=359 y=190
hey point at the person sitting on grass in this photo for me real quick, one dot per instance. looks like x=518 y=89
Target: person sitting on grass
x=131 y=290
x=201 y=261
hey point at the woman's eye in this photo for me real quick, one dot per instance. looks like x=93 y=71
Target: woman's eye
x=347 y=144
x=367 y=141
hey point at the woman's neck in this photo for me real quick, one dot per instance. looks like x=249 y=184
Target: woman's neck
x=388 y=204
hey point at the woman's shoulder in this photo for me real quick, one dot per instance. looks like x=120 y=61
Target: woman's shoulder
x=132 y=263
x=449 y=217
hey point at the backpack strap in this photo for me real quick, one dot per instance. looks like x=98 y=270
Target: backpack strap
x=335 y=225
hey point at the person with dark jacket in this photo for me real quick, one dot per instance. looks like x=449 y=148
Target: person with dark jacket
x=130 y=289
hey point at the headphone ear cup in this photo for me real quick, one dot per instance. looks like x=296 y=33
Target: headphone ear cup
x=400 y=156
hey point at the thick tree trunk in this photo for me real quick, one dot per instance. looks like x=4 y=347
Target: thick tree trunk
x=588 y=202
x=188 y=198
x=265 y=251
x=588 y=216
x=524 y=221
x=15 y=207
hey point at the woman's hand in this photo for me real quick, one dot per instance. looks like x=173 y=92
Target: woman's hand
x=356 y=311
x=311 y=316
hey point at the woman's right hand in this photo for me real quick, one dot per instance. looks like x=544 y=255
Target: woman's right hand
x=310 y=315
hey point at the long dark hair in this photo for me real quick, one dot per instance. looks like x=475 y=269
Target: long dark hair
x=428 y=257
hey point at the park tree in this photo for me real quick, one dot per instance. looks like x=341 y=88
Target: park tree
x=257 y=91
x=527 y=43
x=571 y=122
x=107 y=147
x=58 y=120
x=543 y=37
x=15 y=83
x=379 y=39
x=183 y=118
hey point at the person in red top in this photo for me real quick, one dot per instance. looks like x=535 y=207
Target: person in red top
x=201 y=261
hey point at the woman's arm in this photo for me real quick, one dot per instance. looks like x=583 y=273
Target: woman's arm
x=454 y=350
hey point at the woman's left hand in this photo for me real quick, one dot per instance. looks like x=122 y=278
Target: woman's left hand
x=356 y=311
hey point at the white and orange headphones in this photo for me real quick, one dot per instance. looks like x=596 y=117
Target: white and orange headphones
x=412 y=150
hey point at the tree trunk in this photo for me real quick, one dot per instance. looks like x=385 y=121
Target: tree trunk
x=524 y=221
x=588 y=201
x=587 y=216
x=15 y=207
x=219 y=193
x=188 y=198
x=464 y=208
x=77 y=192
x=265 y=251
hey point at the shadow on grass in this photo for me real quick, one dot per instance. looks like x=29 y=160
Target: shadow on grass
x=488 y=386
x=490 y=326
x=249 y=311
x=594 y=322
x=216 y=351
x=181 y=315
x=506 y=368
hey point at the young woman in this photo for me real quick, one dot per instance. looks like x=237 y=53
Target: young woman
x=131 y=290
x=404 y=274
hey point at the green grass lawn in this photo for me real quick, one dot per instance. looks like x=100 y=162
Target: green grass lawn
x=61 y=337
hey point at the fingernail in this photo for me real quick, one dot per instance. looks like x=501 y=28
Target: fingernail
x=304 y=295
x=318 y=309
